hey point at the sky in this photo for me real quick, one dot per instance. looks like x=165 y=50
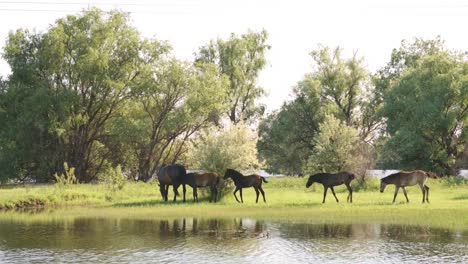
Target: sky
x=370 y=28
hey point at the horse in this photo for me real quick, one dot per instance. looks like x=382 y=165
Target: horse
x=171 y=175
x=328 y=180
x=408 y=178
x=242 y=181
x=209 y=179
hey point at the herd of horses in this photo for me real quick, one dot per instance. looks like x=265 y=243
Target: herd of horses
x=176 y=175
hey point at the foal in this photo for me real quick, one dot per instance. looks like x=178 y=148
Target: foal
x=242 y=181
x=407 y=178
x=209 y=179
x=328 y=180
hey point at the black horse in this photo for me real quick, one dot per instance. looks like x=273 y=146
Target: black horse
x=242 y=181
x=174 y=175
x=328 y=180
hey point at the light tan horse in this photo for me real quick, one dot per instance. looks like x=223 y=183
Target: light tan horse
x=408 y=178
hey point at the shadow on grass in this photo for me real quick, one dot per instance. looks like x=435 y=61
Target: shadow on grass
x=461 y=197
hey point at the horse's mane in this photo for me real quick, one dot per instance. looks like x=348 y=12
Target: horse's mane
x=234 y=173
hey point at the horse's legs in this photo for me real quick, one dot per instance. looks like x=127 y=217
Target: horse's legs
x=325 y=189
x=263 y=193
x=175 y=187
x=404 y=192
x=333 y=191
x=195 y=194
x=166 y=193
x=350 y=195
x=235 y=194
x=184 y=189
x=427 y=193
x=242 y=199
x=396 y=192
x=215 y=194
x=258 y=193
x=423 y=190
x=161 y=190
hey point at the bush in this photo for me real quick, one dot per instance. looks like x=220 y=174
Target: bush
x=66 y=179
x=453 y=181
x=217 y=150
x=337 y=148
x=113 y=178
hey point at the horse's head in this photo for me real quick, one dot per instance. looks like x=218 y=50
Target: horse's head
x=227 y=174
x=310 y=181
x=430 y=174
x=383 y=184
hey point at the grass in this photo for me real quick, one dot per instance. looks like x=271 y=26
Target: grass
x=287 y=199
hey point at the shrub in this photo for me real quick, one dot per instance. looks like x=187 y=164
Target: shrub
x=113 y=178
x=67 y=178
x=452 y=181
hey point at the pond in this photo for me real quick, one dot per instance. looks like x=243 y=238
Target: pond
x=240 y=240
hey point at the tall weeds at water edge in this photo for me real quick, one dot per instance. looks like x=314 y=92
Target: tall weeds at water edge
x=112 y=178
x=65 y=179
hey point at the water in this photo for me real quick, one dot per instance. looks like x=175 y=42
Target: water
x=195 y=240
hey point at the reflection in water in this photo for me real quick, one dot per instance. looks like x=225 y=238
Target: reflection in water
x=238 y=240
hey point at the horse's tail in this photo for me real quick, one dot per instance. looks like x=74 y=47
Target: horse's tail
x=263 y=179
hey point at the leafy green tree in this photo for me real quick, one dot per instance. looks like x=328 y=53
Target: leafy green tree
x=217 y=150
x=338 y=87
x=286 y=136
x=175 y=101
x=240 y=58
x=336 y=148
x=66 y=84
x=427 y=111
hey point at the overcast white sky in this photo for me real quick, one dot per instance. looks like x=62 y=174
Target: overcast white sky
x=373 y=28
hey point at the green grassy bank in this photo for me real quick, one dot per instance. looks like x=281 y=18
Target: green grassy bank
x=287 y=199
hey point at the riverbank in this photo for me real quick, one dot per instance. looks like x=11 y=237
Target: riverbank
x=287 y=198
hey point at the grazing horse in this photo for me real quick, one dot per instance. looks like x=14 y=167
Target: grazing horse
x=209 y=179
x=171 y=175
x=242 y=181
x=328 y=180
x=408 y=178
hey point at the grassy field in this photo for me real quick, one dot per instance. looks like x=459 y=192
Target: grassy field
x=287 y=199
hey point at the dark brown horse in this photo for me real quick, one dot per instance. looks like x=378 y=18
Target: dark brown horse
x=171 y=175
x=209 y=179
x=407 y=178
x=328 y=180
x=242 y=181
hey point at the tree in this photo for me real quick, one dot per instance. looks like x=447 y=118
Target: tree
x=341 y=82
x=174 y=101
x=72 y=80
x=426 y=109
x=240 y=58
x=338 y=87
x=286 y=136
x=335 y=147
x=217 y=150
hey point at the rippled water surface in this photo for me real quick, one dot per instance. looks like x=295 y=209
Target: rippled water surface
x=195 y=240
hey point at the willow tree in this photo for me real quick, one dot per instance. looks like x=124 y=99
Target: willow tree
x=72 y=79
x=240 y=58
x=426 y=108
x=337 y=86
x=172 y=102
